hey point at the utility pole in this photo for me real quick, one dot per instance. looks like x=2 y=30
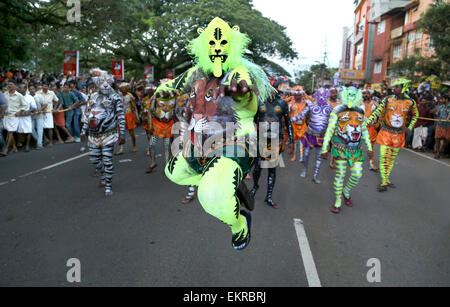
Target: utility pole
x=325 y=58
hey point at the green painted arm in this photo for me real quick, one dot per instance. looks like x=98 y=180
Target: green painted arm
x=366 y=137
x=415 y=116
x=181 y=83
x=379 y=110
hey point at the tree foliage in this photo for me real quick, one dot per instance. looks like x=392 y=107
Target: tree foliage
x=436 y=23
x=318 y=72
x=148 y=32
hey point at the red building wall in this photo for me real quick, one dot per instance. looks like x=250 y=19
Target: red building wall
x=381 y=50
x=362 y=12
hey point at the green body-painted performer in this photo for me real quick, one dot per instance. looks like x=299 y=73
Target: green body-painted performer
x=394 y=112
x=346 y=132
x=223 y=88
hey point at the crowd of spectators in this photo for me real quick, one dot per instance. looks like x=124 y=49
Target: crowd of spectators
x=38 y=112
x=30 y=111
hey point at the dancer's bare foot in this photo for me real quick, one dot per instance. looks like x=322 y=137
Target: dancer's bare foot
x=150 y=169
x=70 y=140
x=335 y=209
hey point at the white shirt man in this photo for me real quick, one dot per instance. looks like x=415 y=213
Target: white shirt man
x=38 y=119
x=25 y=125
x=50 y=98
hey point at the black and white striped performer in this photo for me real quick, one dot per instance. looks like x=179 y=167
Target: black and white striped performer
x=105 y=125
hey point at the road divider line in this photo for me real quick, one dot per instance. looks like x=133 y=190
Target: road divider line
x=425 y=156
x=305 y=250
x=46 y=168
x=63 y=162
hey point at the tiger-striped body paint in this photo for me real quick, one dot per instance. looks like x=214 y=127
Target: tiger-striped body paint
x=393 y=113
x=346 y=133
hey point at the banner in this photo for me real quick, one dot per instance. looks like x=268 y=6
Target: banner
x=149 y=73
x=350 y=74
x=348 y=47
x=70 y=64
x=118 y=69
x=170 y=74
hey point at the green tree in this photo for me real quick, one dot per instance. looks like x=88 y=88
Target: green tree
x=151 y=32
x=318 y=72
x=20 y=22
x=436 y=23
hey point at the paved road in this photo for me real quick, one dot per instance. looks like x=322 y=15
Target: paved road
x=143 y=235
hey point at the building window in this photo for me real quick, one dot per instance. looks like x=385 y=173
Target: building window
x=381 y=27
x=431 y=45
x=359 y=48
x=377 y=67
x=361 y=25
x=411 y=37
x=418 y=35
x=397 y=51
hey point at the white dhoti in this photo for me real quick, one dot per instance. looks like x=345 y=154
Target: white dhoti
x=420 y=137
x=25 y=125
x=48 y=121
x=11 y=124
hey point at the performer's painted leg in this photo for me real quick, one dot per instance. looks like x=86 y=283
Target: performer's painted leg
x=393 y=152
x=318 y=163
x=107 y=153
x=256 y=176
x=190 y=196
x=305 y=161
x=270 y=185
x=179 y=171
x=302 y=151
x=133 y=139
x=372 y=161
x=149 y=137
x=152 y=154
x=295 y=151
x=341 y=169
x=333 y=162
x=166 y=148
x=356 y=174
x=217 y=195
x=383 y=168
x=95 y=156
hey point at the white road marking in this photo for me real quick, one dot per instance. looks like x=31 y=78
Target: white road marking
x=308 y=260
x=46 y=168
x=425 y=156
